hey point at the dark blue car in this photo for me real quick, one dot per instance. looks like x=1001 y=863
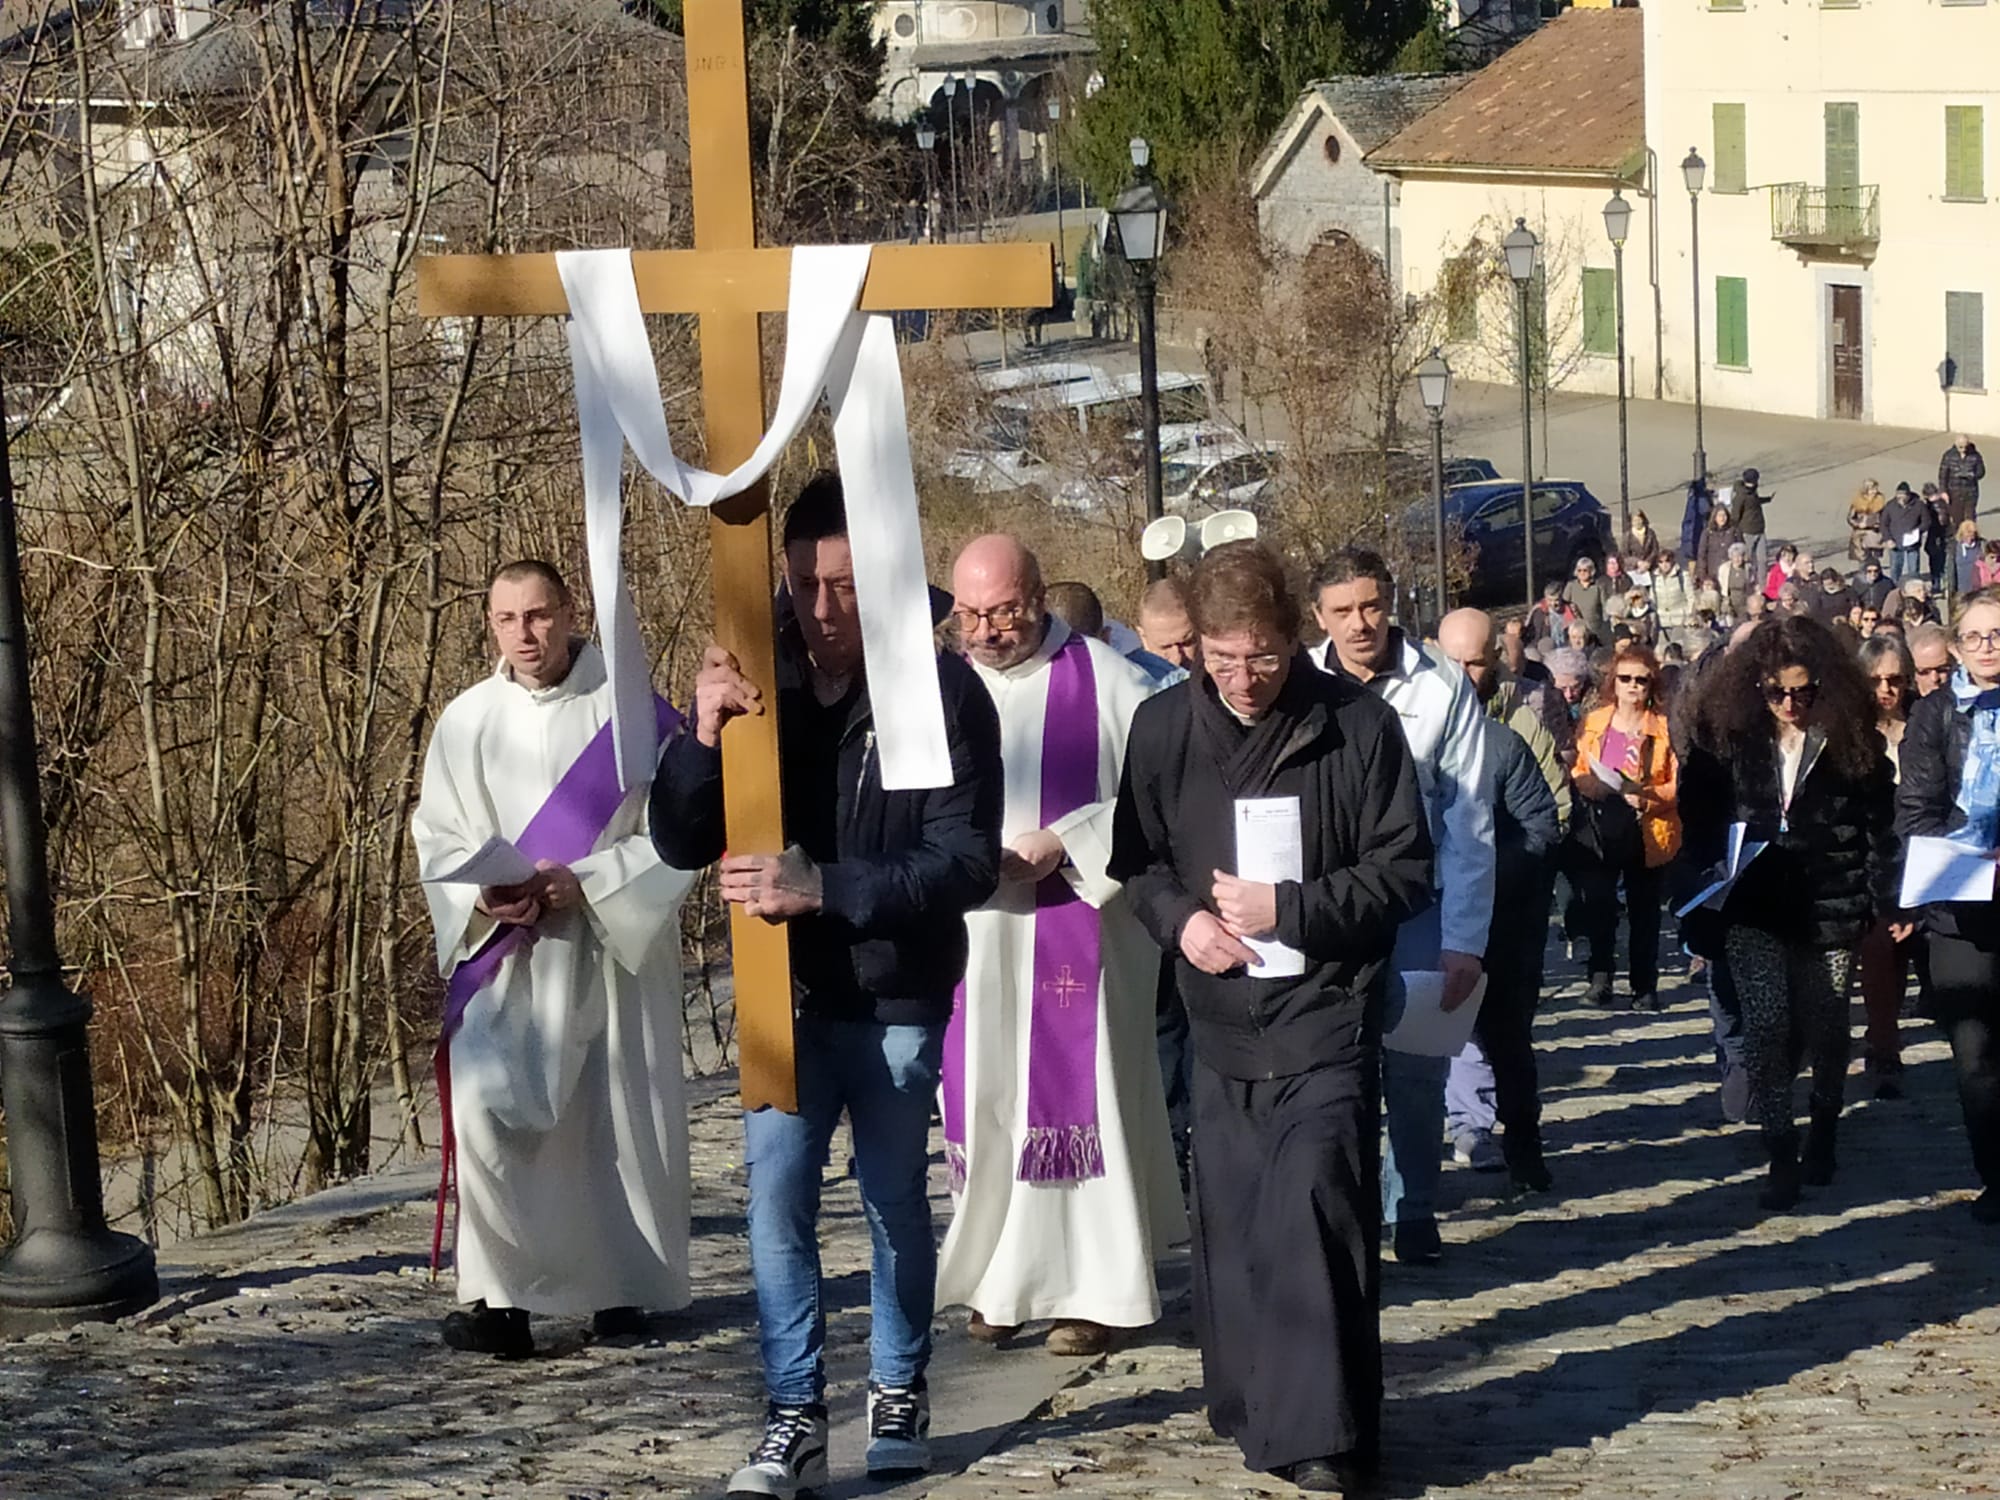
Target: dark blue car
x=1569 y=523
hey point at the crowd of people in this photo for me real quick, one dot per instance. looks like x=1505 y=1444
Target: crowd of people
x=1151 y=952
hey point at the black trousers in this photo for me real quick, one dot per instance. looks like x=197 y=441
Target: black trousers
x=1505 y=1027
x=1287 y=1260
x=1599 y=889
x=1965 y=999
x=1170 y=1036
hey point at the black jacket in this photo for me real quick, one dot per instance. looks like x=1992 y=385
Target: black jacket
x=1932 y=758
x=903 y=868
x=1903 y=514
x=1366 y=859
x=1831 y=866
x=1959 y=475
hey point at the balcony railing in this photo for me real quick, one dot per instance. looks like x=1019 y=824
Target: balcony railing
x=1836 y=218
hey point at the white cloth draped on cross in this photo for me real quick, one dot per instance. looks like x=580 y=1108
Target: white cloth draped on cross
x=831 y=348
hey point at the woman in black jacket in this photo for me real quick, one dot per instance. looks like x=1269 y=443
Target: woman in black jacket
x=1784 y=743
x=1287 y=1196
x=1951 y=785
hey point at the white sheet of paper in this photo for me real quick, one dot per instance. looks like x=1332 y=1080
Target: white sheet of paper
x=1613 y=779
x=495 y=862
x=1426 y=1028
x=1911 y=538
x=1942 y=869
x=1641 y=577
x=1723 y=875
x=1270 y=847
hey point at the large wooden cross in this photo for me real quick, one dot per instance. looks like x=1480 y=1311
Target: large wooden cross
x=728 y=280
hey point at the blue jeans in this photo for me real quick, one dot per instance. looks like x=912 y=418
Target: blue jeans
x=1413 y=1098
x=1906 y=562
x=885 y=1077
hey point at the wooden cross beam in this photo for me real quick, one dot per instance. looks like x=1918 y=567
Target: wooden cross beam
x=728 y=280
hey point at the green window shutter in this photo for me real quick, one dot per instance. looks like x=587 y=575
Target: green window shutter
x=1965 y=338
x=1843 y=145
x=1732 y=321
x=1600 y=312
x=1732 y=169
x=1964 y=151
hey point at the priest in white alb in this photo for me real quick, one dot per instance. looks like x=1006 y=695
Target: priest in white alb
x=1055 y=1119
x=559 y=1064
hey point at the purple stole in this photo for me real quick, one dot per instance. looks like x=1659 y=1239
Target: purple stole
x=563 y=830
x=1064 y=1143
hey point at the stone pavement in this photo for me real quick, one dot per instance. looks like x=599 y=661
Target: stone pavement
x=1643 y=1333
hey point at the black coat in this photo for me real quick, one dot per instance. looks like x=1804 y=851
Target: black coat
x=901 y=868
x=1367 y=859
x=1958 y=476
x=1831 y=863
x=1933 y=764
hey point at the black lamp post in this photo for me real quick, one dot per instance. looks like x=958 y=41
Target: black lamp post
x=951 y=140
x=1139 y=220
x=927 y=143
x=1617 y=223
x=1055 y=160
x=1521 y=249
x=65 y=1265
x=1434 y=388
x=1695 y=171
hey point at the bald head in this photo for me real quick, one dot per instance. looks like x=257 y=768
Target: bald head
x=998 y=600
x=1466 y=636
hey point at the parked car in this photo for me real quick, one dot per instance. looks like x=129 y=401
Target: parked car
x=1486 y=518
x=1217 y=479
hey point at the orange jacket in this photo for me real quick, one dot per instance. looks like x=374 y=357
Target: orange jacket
x=1659 y=790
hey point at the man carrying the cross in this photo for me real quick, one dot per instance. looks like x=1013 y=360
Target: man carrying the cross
x=873 y=891
x=1054 y=1114
x=559 y=1065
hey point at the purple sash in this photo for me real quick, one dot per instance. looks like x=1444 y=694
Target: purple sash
x=1064 y=1142
x=564 y=829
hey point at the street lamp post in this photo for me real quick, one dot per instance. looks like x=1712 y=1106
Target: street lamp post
x=951 y=140
x=927 y=143
x=1139 y=219
x=65 y=1265
x=1617 y=223
x=1055 y=159
x=1521 y=248
x=1434 y=387
x=1695 y=171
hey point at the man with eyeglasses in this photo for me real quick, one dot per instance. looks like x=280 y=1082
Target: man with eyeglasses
x=1930 y=649
x=1442 y=722
x=1055 y=1119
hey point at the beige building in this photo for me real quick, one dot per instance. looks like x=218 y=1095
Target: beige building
x=1847 y=226
x=1547 y=133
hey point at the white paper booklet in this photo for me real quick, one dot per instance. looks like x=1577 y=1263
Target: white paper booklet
x=1723 y=876
x=1270 y=847
x=1943 y=869
x=1426 y=1028
x=495 y=862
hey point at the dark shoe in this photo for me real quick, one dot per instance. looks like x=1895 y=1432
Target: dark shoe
x=1986 y=1207
x=1816 y=1164
x=990 y=1333
x=1418 y=1242
x=1320 y=1476
x=1650 y=1001
x=618 y=1322
x=480 y=1329
x=899 y=1430
x=1889 y=1086
x=1074 y=1337
x=1781 y=1188
x=1598 y=991
x=1523 y=1150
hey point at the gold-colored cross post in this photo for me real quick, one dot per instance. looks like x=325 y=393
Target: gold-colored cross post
x=728 y=280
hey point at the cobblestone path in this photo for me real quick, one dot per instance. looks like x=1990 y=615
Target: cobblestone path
x=1642 y=1333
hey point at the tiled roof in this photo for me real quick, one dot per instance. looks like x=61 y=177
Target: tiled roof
x=1570 y=98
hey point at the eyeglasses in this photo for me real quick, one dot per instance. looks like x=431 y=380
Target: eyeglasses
x=1254 y=667
x=1804 y=695
x=1002 y=617
x=1933 y=671
x=1635 y=679
x=1980 y=640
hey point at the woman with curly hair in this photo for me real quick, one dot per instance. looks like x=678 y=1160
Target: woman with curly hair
x=1629 y=828
x=1784 y=742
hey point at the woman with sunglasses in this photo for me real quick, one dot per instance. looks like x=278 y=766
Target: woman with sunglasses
x=1951 y=784
x=1629 y=829
x=1883 y=961
x=1784 y=742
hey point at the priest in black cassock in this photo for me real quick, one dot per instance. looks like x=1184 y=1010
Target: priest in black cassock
x=1284 y=982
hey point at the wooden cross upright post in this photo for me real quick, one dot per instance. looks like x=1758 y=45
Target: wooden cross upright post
x=728 y=281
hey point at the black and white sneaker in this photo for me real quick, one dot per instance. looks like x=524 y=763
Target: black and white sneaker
x=899 y=1430
x=790 y=1460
